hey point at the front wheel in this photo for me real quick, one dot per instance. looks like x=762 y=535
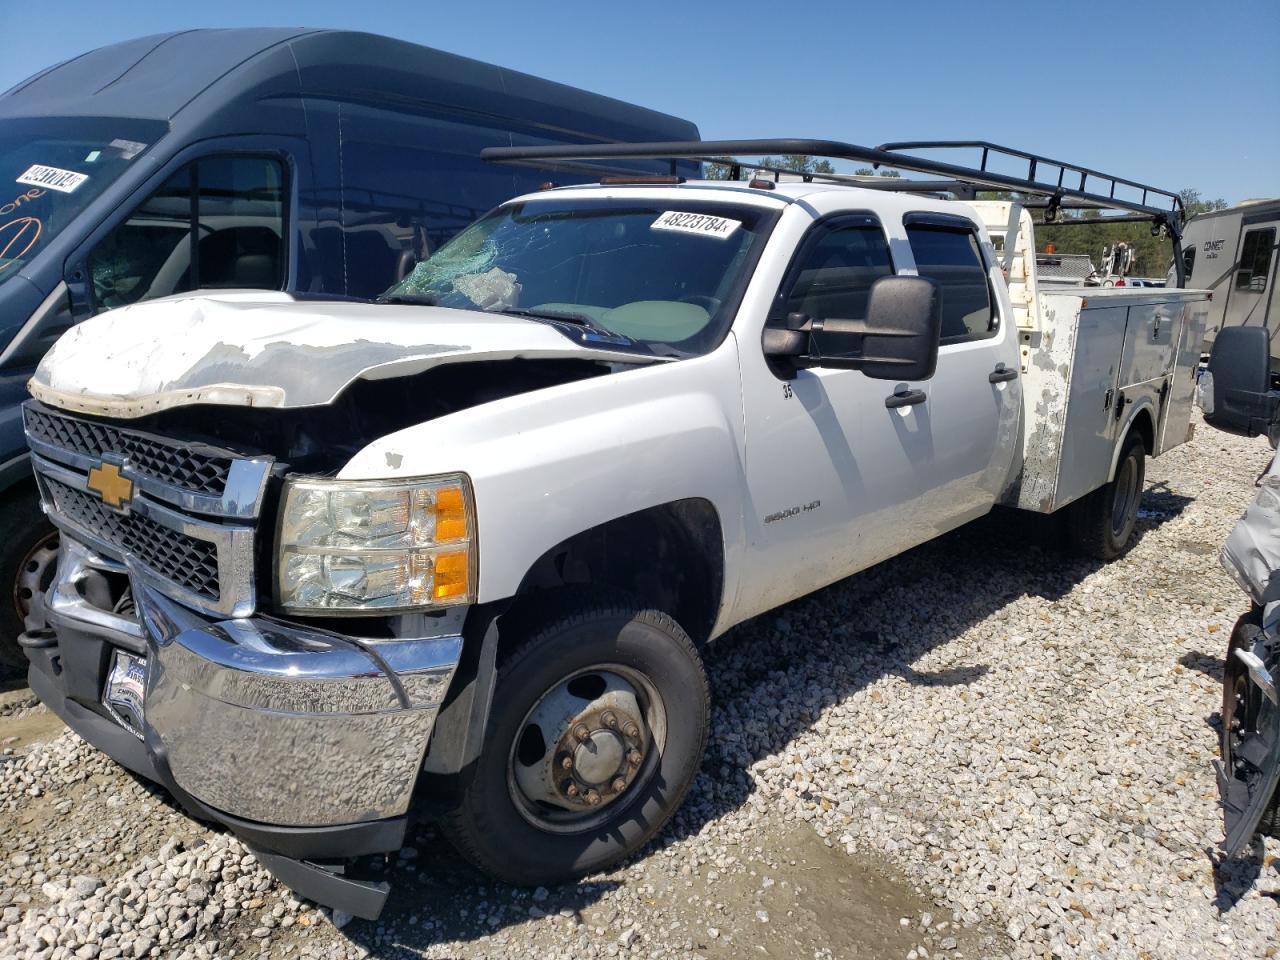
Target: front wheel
x=27 y=564
x=599 y=722
x=1101 y=524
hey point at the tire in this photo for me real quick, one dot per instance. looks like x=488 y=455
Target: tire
x=1101 y=524
x=500 y=825
x=26 y=565
x=1241 y=701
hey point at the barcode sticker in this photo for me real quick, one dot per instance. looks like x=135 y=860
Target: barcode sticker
x=53 y=178
x=702 y=224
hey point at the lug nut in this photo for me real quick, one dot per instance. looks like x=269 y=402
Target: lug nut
x=609 y=719
x=619 y=784
x=634 y=758
x=566 y=762
x=581 y=731
x=571 y=790
x=591 y=797
x=631 y=729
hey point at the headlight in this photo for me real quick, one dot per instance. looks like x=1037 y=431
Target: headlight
x=375 y=545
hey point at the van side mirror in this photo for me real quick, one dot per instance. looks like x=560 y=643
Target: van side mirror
x=897 y=341
x=1236 y=392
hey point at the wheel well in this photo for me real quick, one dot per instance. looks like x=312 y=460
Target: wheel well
x=670 y=556
x=1143 y=426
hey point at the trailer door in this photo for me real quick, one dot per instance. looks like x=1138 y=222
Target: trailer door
x=1252 y=289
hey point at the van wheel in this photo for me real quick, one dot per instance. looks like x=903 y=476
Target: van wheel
x=599 y=722
x=1101 y=524
x=27 y=565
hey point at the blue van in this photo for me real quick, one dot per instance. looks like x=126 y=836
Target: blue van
x=318 y=162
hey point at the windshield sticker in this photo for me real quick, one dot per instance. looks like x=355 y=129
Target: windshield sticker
x=64 y=181
x=701 y=224
x=128 y=148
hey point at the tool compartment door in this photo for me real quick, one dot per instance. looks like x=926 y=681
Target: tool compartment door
x=1088 y=439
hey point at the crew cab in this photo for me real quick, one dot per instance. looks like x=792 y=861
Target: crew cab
x=457 y=550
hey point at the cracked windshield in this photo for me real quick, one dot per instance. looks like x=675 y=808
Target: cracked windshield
x=629 y=271
x=50 y=170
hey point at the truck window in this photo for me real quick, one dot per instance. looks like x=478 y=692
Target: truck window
x=950 y=257
x=831 y=277
x=1255 y=260
x=237 y=207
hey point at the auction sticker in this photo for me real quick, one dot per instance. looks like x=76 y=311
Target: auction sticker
x=53 y=178
x=701 y=224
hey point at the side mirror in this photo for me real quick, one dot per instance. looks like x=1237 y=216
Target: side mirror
x=897 y=341
x=1236 y=391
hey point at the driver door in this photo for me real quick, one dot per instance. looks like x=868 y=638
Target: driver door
x=837 y=480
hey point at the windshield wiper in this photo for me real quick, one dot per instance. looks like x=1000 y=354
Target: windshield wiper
x=592 y=329
x=416 y=299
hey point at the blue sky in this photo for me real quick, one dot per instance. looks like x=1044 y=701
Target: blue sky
x=1176 y=94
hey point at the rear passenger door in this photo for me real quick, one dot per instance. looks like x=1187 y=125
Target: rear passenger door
x=973 y=419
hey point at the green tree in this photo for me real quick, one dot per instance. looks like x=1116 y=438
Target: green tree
x=1193 y=203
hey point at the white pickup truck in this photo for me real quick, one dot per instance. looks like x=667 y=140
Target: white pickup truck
x=325 y=564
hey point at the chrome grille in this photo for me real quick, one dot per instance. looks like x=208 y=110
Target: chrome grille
x=199 y=470
x=187 y=561
x=186 y=520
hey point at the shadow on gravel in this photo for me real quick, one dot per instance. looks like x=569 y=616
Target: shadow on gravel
x=771 y=679
x=1233 y=877
x=1205 y=663
x=437 y=897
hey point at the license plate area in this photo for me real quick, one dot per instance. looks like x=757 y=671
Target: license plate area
x=125 y=688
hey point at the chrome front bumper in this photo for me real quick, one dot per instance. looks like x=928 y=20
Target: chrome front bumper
x=255 y=718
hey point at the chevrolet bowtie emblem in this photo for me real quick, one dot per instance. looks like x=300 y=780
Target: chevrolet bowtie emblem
x=105 y=480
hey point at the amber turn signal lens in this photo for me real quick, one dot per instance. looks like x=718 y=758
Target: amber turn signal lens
x=451 y=514
x=452 y=575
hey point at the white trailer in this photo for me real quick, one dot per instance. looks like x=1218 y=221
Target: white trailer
x=1232 y=254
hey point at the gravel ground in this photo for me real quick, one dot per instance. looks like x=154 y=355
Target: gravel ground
x=980 y=749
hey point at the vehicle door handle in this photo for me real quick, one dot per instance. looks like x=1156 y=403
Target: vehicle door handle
x=905 y=399
x=1002 y=373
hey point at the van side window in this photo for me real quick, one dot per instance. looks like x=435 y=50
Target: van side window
x=216 y=223
x=832 y=275
x=1255 y=260
x=950 y=257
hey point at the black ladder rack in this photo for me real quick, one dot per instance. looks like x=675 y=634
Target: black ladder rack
x=1072 y=182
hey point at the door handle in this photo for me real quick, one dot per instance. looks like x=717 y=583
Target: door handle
x=1002 y=373
x=905 y=399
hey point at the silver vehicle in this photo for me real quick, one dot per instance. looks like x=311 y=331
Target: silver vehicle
x=1233 y=254
x=1237 y=397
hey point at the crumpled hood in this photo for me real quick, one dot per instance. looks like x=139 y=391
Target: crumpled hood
x=268 y=350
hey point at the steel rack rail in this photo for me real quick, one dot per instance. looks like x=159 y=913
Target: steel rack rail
x=1072 y=182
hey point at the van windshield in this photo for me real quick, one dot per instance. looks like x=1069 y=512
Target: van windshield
x=51 y=169
x=661 y=274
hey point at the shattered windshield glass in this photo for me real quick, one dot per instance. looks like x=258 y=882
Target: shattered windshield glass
x=51 y=169
x=660 y=274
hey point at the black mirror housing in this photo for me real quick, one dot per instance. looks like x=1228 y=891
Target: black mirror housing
x=1242 y=399
x=904 y=325
x=899 y=337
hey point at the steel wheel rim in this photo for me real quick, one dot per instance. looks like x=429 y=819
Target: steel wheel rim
x=35 y=573
x=536 y=784
x=1126 y=496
